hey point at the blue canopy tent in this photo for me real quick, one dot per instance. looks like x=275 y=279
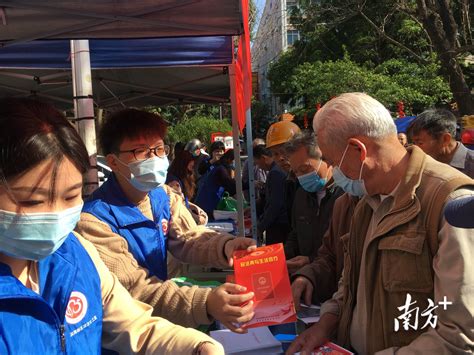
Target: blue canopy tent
x=403 y=123
x=26 y=20
x=133 y=72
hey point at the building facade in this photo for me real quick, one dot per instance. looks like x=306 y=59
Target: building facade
x=274 y=35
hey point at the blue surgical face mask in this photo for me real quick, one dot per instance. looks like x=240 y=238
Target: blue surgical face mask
x=34 y=236
x=352 y=187
x=312 y=182
x=146 y=175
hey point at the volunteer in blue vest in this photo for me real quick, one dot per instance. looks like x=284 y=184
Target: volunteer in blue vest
x=56 y=294
x=133 y=219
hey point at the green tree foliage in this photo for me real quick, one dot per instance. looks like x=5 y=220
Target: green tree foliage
x=391 y=54
x=199 y=127
x=261 y=119
x=390 y=82
x=253 y=14
x=173 y=114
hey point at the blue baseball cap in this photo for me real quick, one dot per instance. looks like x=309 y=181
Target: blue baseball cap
x=460 y=212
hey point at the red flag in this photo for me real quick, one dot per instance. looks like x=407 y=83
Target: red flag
x=243 y=69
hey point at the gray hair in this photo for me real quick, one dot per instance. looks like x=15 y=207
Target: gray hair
x=353 y=114
x=435 y=122
x=304 y=139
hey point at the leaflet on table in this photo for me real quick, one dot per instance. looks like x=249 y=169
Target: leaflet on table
x=330 y=348
x=264 y=272
x=309 y=314
x=260 y=339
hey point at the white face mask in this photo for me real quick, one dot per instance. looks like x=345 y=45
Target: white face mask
x=34 y=236
x=146 y=175
x=352 y=187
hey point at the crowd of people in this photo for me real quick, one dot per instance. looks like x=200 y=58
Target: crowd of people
x=358 y=206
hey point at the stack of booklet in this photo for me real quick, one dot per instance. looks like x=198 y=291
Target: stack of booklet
x=264 y=272
x=256 y=341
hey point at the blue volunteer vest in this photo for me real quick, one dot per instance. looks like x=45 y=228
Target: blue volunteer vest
x=66 y=317
x=146 y=239
x=209 y=192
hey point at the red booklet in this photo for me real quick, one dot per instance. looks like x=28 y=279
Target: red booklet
x=264 y=272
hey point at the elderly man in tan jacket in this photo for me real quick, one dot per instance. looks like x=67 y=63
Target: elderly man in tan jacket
x=133 y=219
x=407 y=285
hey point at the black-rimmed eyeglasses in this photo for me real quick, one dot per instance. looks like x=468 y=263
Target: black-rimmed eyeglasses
x=143 y=153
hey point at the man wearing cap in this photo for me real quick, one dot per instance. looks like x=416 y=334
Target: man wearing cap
x=196 y=148
x=278 y=135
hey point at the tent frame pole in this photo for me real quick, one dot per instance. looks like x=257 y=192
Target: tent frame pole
x=84 y=108
x=236 y=140
x=250 y=163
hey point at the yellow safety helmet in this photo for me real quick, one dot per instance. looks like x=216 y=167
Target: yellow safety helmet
x=281 y=132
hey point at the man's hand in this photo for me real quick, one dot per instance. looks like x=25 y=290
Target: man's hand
x=301 y=285
x=314 y=336
x=296 y=263
x=224 y=304
x=240 y=243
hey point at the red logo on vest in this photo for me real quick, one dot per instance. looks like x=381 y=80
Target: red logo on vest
x=164 y=226
x=76 y=307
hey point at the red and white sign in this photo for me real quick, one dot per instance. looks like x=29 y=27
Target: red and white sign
x=76 y=307
x=225 y=138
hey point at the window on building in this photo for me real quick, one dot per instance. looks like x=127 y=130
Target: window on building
x=292 y=36
x=290 y=8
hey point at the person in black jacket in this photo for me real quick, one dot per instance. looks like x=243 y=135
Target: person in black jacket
x=212 y=185
x=313 y=203
x=274 y=220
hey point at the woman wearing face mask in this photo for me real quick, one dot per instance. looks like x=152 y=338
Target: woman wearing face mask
x=57 y=296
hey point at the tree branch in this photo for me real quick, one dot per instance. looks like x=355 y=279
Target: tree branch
x=412 y=15
x=449 y=24
x=464 y=49
x=391 y=40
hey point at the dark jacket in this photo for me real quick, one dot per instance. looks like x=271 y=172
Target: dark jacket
x=325 y=270
x=275 y=205
x=291 y=185
x=212 y=186
x=310 y=221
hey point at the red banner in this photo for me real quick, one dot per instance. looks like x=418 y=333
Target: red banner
x=243 y=69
